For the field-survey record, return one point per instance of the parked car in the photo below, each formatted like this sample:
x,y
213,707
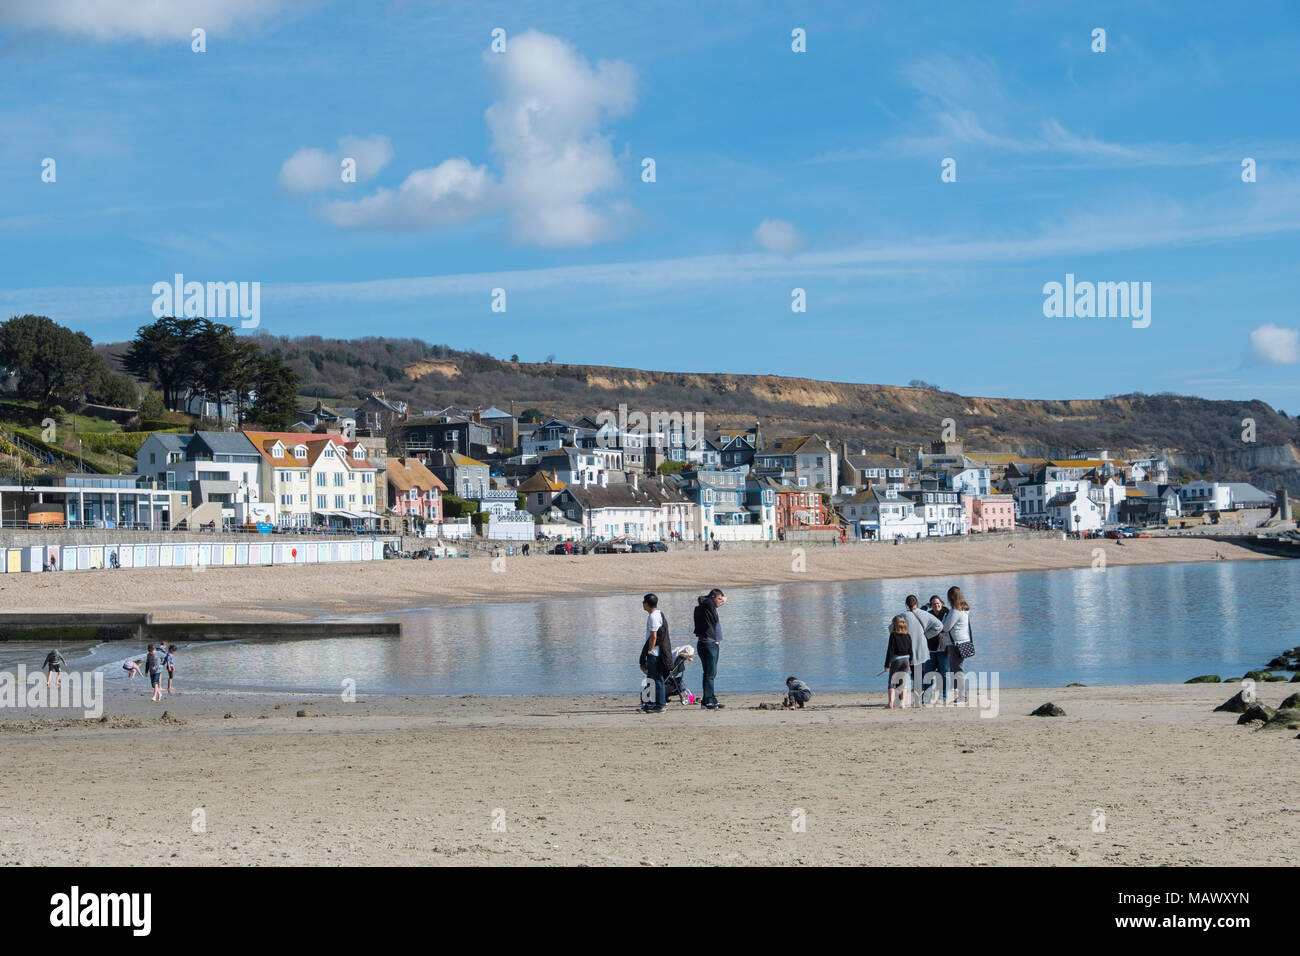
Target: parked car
x,y
614,547
641,547
1114,534
658,546
564,549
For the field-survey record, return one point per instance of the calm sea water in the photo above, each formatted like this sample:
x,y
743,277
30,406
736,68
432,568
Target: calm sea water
x,y
1128,625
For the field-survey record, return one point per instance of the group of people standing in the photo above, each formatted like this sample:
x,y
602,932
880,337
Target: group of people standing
x,y
931,640
657,658
928,644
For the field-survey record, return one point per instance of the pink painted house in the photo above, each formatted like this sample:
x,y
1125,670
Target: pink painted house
x,y
990,513
414,493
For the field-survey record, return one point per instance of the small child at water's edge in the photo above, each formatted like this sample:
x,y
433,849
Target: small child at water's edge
x,y
797,693
898,659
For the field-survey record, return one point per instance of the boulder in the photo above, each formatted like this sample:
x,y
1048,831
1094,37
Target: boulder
x,y
1256,675
1256,712
1205,679
1076,685
1288,719
1048,710
1295,679
1277,662
1236,704
1291,703
302,713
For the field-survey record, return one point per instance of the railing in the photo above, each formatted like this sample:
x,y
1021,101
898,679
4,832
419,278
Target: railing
x,y
40,454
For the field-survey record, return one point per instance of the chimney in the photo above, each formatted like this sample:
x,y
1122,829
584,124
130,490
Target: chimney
x,y
633,480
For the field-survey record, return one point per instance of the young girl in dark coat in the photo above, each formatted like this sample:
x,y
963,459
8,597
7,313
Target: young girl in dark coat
x,y
898,658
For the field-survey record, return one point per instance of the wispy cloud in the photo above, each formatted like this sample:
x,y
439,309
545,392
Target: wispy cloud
x,y
965,103
154,20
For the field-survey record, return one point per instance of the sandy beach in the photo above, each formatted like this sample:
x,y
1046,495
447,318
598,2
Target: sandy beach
x,y
589,781
304,591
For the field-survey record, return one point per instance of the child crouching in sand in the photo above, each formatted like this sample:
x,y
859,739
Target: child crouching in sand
x,y
131,667
898,658
797,693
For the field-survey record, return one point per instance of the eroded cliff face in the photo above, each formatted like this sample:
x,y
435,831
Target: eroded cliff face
x,y
881,416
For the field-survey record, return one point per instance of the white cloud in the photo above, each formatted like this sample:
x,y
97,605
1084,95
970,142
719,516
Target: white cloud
x,y
1274,345
777,235
547,136
453,191
311,169
136,19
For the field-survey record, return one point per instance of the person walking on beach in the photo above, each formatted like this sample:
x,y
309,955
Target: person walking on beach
x,y
956,627
923,627
53,666
708,631
656,653
169,662
153,667
898,659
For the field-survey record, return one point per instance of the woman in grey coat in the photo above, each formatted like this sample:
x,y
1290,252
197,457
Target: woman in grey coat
x,y
922,625
956,627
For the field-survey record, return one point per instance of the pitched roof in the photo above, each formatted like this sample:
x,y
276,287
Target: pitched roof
x,y
541,481
227,443
172,441
494,412
651,493
314,443
407,473
458,459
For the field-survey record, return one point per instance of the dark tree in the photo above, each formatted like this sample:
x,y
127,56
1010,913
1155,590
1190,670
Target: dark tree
x,y
53,364
162,355
276,386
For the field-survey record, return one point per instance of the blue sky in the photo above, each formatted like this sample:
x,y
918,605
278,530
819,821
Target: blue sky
x,y
774,170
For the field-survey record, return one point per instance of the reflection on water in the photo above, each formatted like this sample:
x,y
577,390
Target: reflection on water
x,y
1127,625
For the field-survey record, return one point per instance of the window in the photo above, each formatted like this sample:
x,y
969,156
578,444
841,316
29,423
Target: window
x,y
320,501
321,479
152,458
338,479
329,451
338,502
302,499
277,451
300,452
302,475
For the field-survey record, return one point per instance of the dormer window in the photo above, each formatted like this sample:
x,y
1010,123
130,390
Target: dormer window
x,y
358,452
277,451
329,451
300,451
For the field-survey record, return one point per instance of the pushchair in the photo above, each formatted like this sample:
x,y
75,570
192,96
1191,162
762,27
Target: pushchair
x,y
674,680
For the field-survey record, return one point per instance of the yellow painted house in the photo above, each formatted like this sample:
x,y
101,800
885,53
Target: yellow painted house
x,y
317,480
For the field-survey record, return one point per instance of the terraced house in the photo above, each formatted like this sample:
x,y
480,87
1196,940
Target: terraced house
x,y
317,480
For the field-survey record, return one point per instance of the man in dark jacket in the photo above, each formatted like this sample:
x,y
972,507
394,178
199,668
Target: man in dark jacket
x,y
708,632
